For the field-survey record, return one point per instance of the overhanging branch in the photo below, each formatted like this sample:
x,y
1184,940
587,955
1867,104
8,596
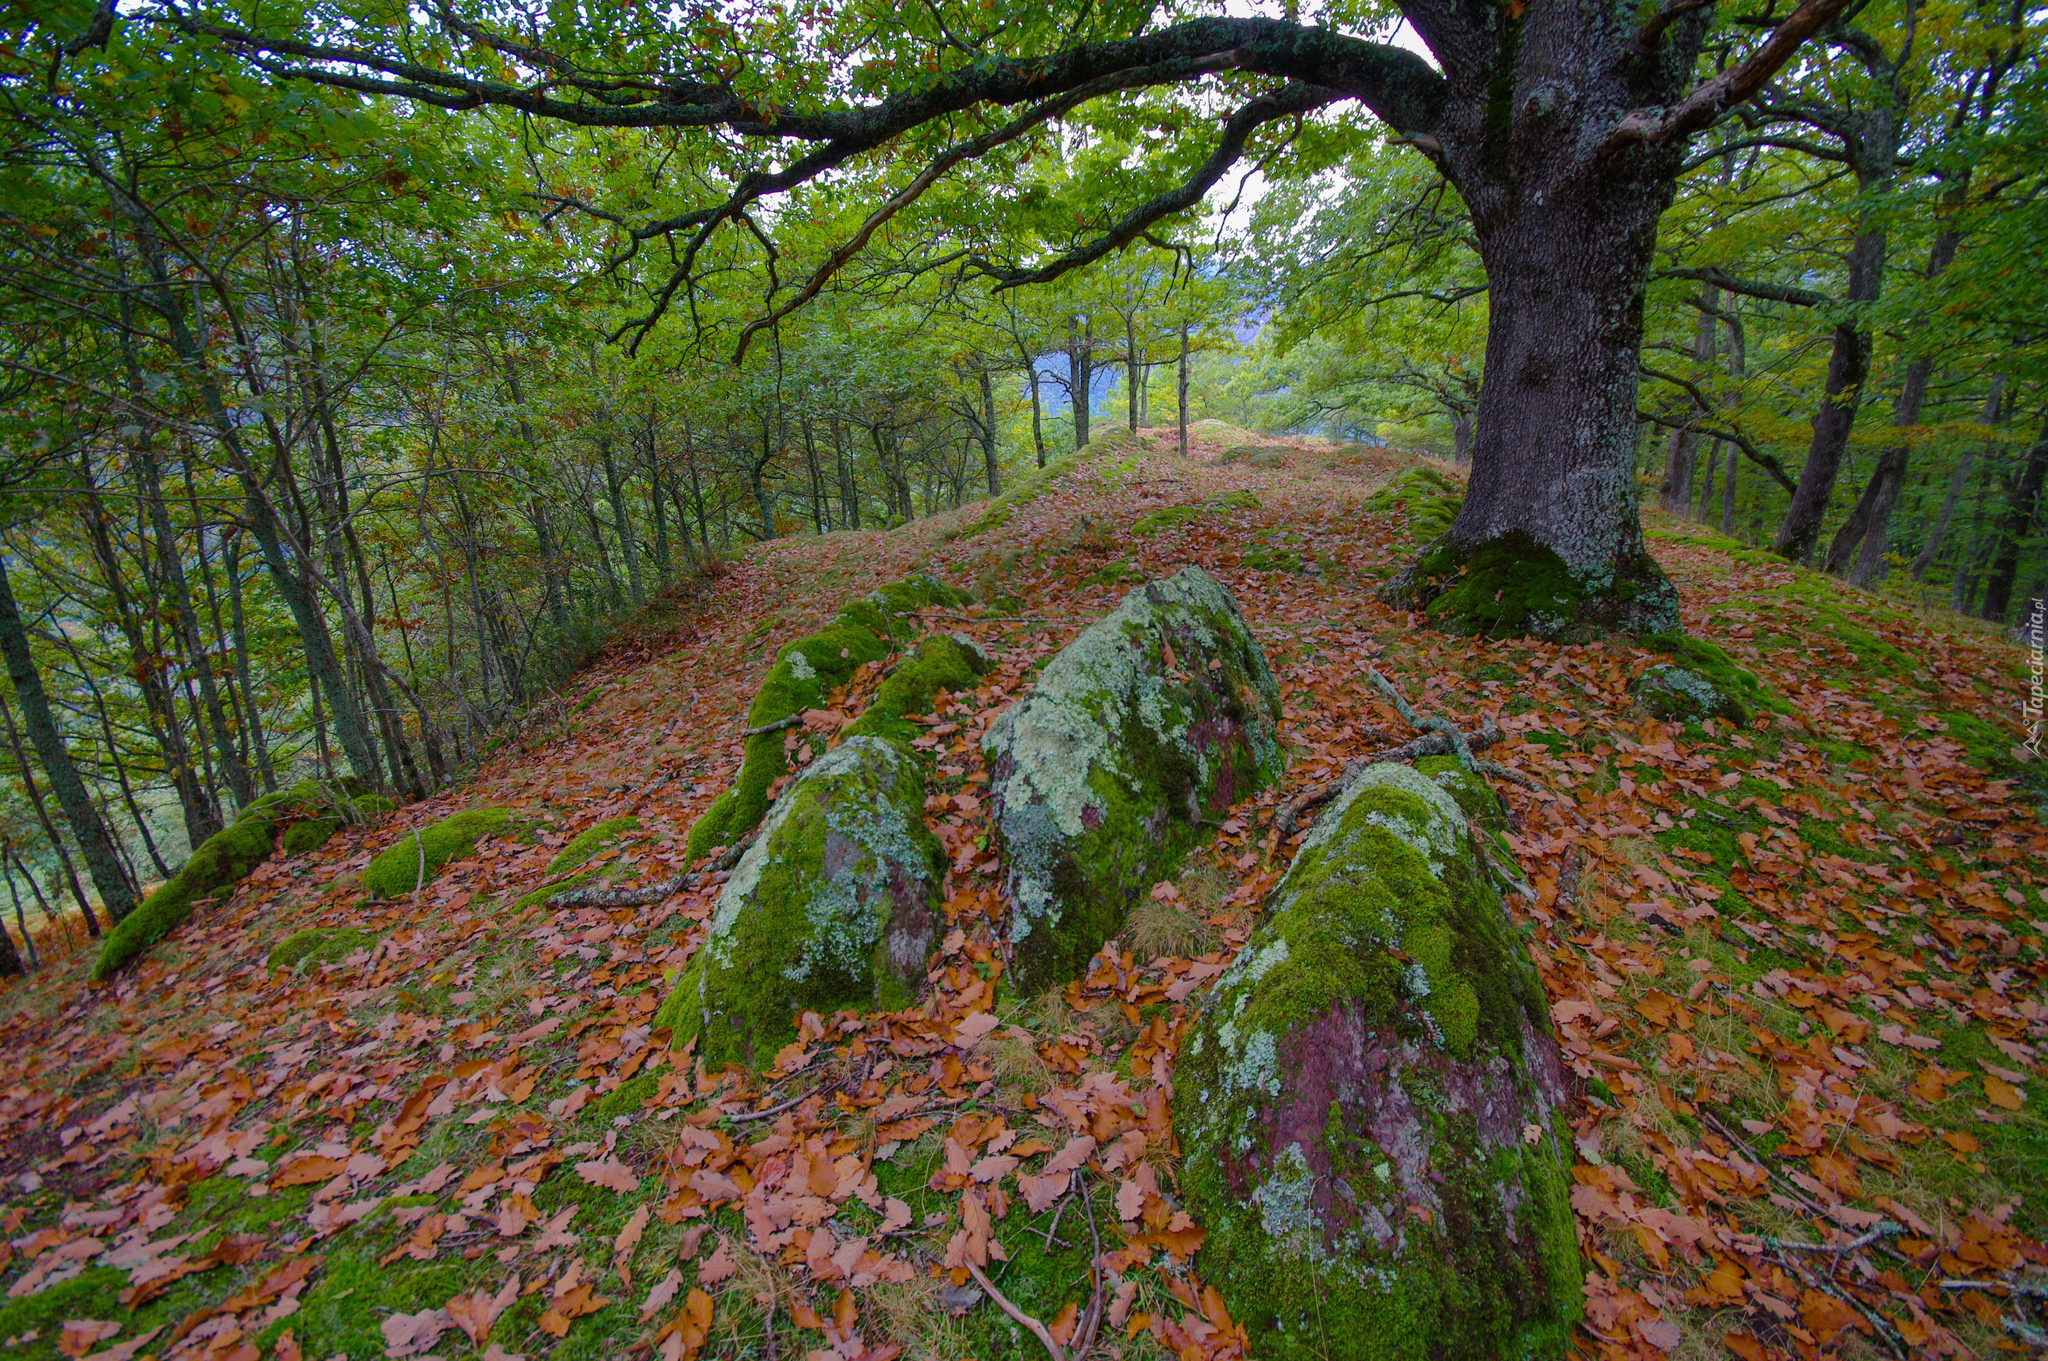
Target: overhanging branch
x,y
1739,83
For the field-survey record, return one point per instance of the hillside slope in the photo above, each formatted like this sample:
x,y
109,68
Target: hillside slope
x,y
1796,965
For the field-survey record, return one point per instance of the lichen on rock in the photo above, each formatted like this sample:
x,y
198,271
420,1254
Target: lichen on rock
x,y
1371,1105
1158,716
835,905
806,670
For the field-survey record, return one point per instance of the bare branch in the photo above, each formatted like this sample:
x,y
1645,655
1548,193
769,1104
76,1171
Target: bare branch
x,y
1736,85
1749,288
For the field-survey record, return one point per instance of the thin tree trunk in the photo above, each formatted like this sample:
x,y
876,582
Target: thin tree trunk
x,y
1181,391
95,842
1676,497
2014,529
1994,403
1848,367
1080,373
988,434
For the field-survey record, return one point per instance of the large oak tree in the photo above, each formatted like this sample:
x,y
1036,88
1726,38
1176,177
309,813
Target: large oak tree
x,y
1561,123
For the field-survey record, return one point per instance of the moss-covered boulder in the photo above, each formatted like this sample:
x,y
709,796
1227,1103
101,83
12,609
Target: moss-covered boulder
x,y
310,834
835,905
1157,717
1513,586
1371,1106
1700,681
943,661
415,858
217,863
804,673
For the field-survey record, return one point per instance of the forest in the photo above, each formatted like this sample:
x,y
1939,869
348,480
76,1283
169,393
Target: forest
x,y
477,477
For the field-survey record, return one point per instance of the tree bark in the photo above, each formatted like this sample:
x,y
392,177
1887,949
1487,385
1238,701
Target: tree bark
x,y
95,842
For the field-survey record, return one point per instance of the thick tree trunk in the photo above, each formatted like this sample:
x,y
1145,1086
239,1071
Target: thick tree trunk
x,y
87,828
1553,460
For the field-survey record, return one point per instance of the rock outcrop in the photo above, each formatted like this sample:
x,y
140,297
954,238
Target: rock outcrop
x,y
836,904
1161,715
806,670
1371,1106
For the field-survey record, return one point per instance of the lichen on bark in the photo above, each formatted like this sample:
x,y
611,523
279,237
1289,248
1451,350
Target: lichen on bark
x,y
835,905
1160,715
1371,1105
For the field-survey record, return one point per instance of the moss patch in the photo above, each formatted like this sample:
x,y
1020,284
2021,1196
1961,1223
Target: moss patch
x,y
941,662
318,945
1515,587
590,841
415,858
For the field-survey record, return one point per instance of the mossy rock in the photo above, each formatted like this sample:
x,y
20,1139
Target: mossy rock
x,y
1160,715
1701,681
1428,498
805,672
943,661
218,863
310,834
1372,1108
1241,452
1152,521
415,858
1513,586
835,905
318,945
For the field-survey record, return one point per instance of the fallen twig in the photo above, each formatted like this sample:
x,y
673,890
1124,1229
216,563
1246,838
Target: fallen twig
x,y
777,726
1429,744
1030,1324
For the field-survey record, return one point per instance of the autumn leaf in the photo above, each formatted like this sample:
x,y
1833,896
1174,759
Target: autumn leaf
x,y
475,1312
2003,1094
609,1173
411,1334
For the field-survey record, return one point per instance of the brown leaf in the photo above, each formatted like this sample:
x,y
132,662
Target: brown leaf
x,y
609,1173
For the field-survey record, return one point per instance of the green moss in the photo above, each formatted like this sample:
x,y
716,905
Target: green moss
x,y
1738,691
941,662
590,841
414,859
805,672
1153,521
1386,991
318,945
1512,586
220,862
836,905
996,511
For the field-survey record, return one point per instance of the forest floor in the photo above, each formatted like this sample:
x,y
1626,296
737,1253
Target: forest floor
x,y
1797,967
